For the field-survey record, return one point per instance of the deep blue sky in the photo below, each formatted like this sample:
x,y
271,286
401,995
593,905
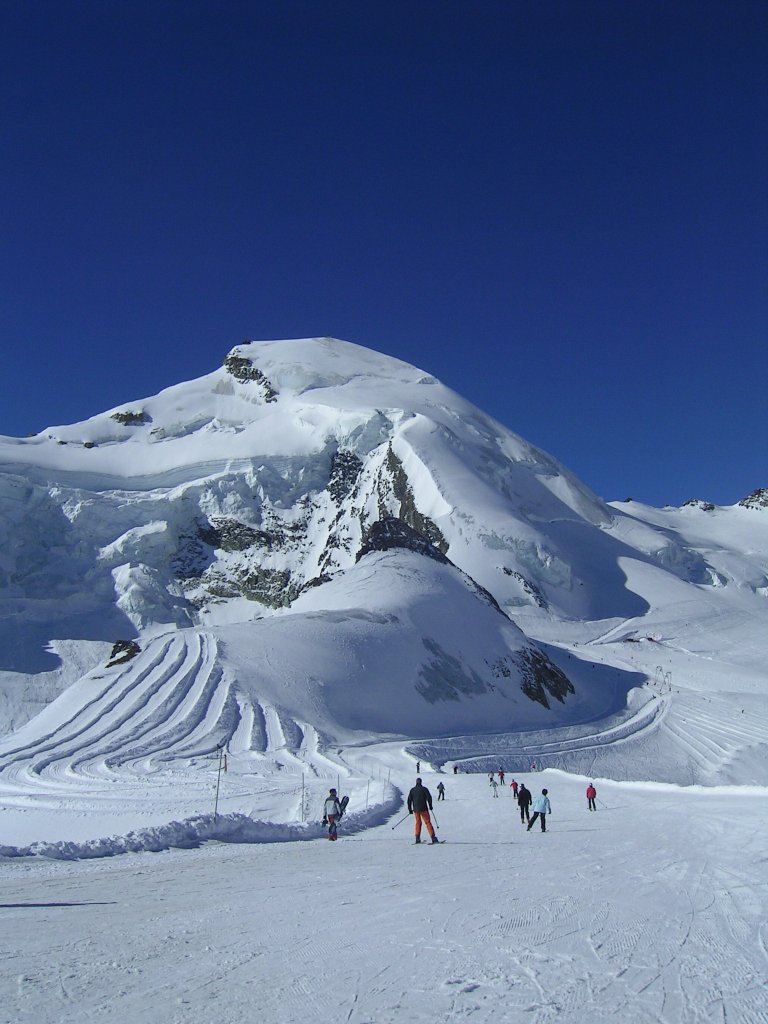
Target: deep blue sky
x,y
559,209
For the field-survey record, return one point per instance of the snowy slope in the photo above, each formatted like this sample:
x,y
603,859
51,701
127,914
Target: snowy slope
x,y
316,546
651,910
324,568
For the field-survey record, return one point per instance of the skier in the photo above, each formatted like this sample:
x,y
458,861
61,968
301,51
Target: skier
x,y
524,802
513,787
418,767
501,776
541,808
440,792
490,778
455,769
495,786
420,804
331,813
591,794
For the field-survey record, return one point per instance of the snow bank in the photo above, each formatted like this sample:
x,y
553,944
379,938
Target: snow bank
x,y
204,828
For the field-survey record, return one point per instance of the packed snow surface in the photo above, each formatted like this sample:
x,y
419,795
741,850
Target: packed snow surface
x,y
651,909
324,568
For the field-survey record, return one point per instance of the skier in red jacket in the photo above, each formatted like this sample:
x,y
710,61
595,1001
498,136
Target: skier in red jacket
x,y
591,794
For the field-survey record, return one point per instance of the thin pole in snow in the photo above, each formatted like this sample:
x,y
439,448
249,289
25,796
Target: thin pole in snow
x,y
302,797
366,794
218,783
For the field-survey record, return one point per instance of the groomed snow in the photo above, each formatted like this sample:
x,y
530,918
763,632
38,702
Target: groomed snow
x,y
652,909
128,899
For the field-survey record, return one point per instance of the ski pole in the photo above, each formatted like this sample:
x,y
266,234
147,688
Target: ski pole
x,y
401,821
435,820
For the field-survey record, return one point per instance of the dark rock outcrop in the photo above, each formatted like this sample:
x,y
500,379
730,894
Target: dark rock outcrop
x,y
757,499
242,369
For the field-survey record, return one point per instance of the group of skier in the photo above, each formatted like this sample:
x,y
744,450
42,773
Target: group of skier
x,y
420,804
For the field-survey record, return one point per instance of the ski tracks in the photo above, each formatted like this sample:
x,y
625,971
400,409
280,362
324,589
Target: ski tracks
x,y
158,704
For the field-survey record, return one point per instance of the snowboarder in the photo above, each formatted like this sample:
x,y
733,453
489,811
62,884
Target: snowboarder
x,y
495,786
541,808
331,813
513,787
420,804
440,792
524,802
501,776
591,794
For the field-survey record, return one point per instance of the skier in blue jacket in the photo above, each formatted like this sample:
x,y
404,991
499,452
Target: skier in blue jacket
x,y
541,808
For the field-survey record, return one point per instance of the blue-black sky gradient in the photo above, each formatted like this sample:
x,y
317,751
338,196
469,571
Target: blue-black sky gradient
x,y
557,208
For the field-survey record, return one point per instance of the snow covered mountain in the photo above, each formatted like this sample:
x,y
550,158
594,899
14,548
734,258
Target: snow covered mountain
x,y
316,544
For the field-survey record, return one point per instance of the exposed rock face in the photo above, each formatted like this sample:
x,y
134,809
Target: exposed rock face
x,y
757,499
269,553
242,369
408,512
705,506
130,419
345,471
232,535
541,676
122,651
529,589
391,532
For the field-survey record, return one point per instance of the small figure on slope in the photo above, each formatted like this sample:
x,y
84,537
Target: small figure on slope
x,y
495,786
513,787
591,794
501,776
332,811
440,792
541,808
420,804
524,802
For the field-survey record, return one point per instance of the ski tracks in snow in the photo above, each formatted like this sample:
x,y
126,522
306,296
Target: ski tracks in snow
x,y
143,738
651,912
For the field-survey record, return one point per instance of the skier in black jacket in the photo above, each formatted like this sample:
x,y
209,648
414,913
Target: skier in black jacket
x,y
524,799
420,804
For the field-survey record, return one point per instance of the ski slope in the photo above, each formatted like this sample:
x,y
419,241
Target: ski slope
x,y
139,746
651,910
228,527
139,743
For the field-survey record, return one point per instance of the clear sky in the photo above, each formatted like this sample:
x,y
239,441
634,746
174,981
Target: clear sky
x,y
557,208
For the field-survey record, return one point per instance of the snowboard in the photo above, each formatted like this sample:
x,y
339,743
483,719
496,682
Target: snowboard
x,y
343,805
